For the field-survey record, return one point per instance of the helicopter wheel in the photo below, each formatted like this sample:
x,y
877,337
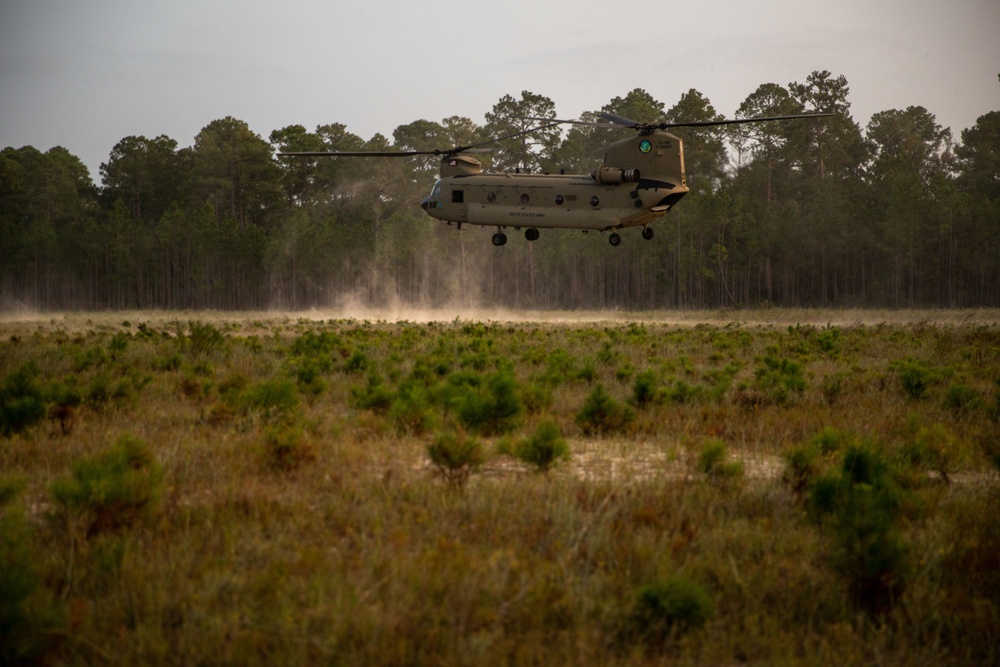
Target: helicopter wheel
x,y
499,239
647,233
614,239
531,234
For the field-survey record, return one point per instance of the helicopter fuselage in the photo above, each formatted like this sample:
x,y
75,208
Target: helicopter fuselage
x,y
640,179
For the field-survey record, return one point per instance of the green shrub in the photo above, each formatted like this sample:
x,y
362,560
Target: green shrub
x,y
780,379
270,400
375,396
802,463
859,508
114,489
202,339
669,607
645,389
357,363
412,410
26,608
22,400
929,448
493,409
455,456
603,414
286,447
544,449
914,377
963,400
712,461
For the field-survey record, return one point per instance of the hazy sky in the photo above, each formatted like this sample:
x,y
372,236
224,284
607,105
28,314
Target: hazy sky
x,y
84,74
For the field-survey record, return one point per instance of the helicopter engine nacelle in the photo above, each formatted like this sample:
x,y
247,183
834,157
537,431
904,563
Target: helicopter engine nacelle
x,y
613,175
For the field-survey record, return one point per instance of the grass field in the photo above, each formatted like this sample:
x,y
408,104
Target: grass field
x,y
768,487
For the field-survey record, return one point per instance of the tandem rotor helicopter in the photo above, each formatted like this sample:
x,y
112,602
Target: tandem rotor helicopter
x,y
640,179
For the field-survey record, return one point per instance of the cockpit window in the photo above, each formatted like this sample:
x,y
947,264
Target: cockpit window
x,y
436,191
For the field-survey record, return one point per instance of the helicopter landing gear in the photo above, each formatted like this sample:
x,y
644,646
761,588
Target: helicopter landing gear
x,y
499,239
531,234
647,233
614,239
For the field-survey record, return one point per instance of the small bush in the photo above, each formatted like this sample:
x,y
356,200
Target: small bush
x,y
929,448
645,389
712,461
669,607
493,409
375,396
545,448
412,410
202,339
780,379
914,377
22,400
802,464
271,400
603,414
963,400
286,448
859,509
114,489
455,456
26,608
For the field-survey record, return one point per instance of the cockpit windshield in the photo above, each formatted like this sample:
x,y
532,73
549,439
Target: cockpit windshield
x,y
436,190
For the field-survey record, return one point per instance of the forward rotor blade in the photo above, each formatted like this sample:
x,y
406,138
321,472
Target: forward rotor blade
x,y
474,148
359,153
549,123
615,119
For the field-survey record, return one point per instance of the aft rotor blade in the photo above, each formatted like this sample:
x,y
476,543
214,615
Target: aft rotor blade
x,y
737,121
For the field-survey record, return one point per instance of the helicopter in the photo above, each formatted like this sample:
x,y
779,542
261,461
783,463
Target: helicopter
x,y
640,179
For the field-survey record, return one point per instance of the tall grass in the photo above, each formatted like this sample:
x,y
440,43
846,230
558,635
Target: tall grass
x,y
269,492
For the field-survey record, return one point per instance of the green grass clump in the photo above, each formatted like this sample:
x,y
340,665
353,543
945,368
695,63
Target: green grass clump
x,y
914,377
111,490
544,449
669,607
456,456
286,447
270,400
201,339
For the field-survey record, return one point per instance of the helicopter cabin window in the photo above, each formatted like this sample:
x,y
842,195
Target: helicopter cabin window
x,y
525,198
457,196
491,197
559,200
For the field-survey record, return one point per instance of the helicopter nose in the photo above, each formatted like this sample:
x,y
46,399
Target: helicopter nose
x,y
425,203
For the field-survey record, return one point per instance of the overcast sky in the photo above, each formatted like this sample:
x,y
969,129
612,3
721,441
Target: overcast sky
x,y
84,74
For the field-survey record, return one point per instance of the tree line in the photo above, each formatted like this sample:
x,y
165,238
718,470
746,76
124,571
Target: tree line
x,y
895,214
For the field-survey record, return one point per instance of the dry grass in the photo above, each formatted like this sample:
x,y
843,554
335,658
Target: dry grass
x,y
349,549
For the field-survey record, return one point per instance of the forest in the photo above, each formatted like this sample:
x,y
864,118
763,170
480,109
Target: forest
x,y
897,214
